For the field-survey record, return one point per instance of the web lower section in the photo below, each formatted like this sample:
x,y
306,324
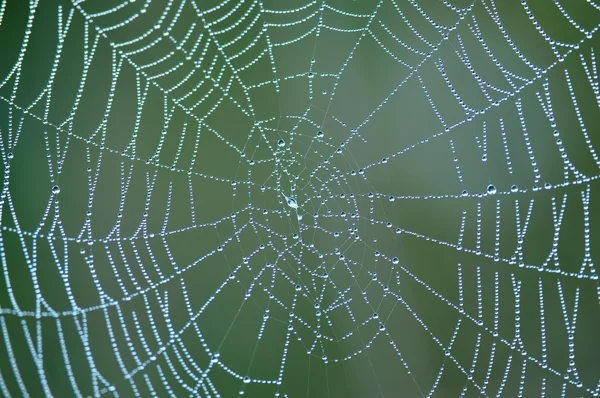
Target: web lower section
x,y
290,198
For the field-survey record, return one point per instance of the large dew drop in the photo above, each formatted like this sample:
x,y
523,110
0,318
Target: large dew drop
x,y
491,189
292,203
281,143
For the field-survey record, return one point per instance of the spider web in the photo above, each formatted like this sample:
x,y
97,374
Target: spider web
x,y
288,198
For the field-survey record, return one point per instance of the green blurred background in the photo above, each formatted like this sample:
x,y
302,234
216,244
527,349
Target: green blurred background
x,y
120,271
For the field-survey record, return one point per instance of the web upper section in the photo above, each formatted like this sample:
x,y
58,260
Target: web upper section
x,y
290,198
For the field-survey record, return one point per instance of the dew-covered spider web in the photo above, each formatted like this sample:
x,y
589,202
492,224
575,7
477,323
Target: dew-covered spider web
x,y
291,198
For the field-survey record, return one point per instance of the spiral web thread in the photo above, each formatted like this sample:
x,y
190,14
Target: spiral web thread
x,y
295,232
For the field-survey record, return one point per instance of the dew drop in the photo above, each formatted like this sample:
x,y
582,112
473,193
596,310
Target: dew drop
x,y
395,260
281,143
320,134
292,203
514,188
56,190
491,189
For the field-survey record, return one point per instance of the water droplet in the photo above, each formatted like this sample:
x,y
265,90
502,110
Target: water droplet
x,y
465,193
292,203
247,380
281,143
320,134
395,260
298,288
10,155
514,188
491,189
56,190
